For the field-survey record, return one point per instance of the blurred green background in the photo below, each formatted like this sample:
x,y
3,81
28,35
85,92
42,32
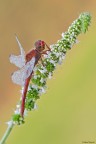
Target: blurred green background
x,y
66,114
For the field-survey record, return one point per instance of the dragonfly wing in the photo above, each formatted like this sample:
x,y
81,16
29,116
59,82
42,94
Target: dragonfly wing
x,y
21,48
21,75
18,77
29,67
19,61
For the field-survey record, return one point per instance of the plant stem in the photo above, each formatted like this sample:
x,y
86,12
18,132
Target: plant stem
x,y
9,129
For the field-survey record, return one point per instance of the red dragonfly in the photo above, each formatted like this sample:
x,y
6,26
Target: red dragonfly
x,y
26,63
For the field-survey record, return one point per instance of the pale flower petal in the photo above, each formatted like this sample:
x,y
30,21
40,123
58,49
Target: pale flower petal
x,y
9,123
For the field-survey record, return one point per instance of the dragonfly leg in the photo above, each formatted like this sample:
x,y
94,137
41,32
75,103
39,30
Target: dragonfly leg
x,y
42,61
48,47
45,52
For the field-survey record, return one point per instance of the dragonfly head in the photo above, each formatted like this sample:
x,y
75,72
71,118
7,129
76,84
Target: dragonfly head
x,y
40,45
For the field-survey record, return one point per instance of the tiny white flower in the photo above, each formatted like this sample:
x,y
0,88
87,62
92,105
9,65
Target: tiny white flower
x,y
52,61
52,46
18,106
77,41
59,48
50,75
17,111
29,87
63,57
57,54
35,69
42,90
21,91
25,112
9,123
71,45
35,106
43,70
35,76
73,33
45,56
42,67
60,61
49,55
63,34
42,80
48,52
35,86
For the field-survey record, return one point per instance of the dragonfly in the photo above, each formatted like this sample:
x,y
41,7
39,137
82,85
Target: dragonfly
x,y
26,64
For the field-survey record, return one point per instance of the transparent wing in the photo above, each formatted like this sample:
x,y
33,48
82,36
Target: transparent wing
x,y
21,75
20,46
19,61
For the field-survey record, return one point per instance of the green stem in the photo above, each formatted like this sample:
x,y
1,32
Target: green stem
x,y
9,129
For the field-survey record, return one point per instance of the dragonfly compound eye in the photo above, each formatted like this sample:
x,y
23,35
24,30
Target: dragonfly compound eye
x,y
39,44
